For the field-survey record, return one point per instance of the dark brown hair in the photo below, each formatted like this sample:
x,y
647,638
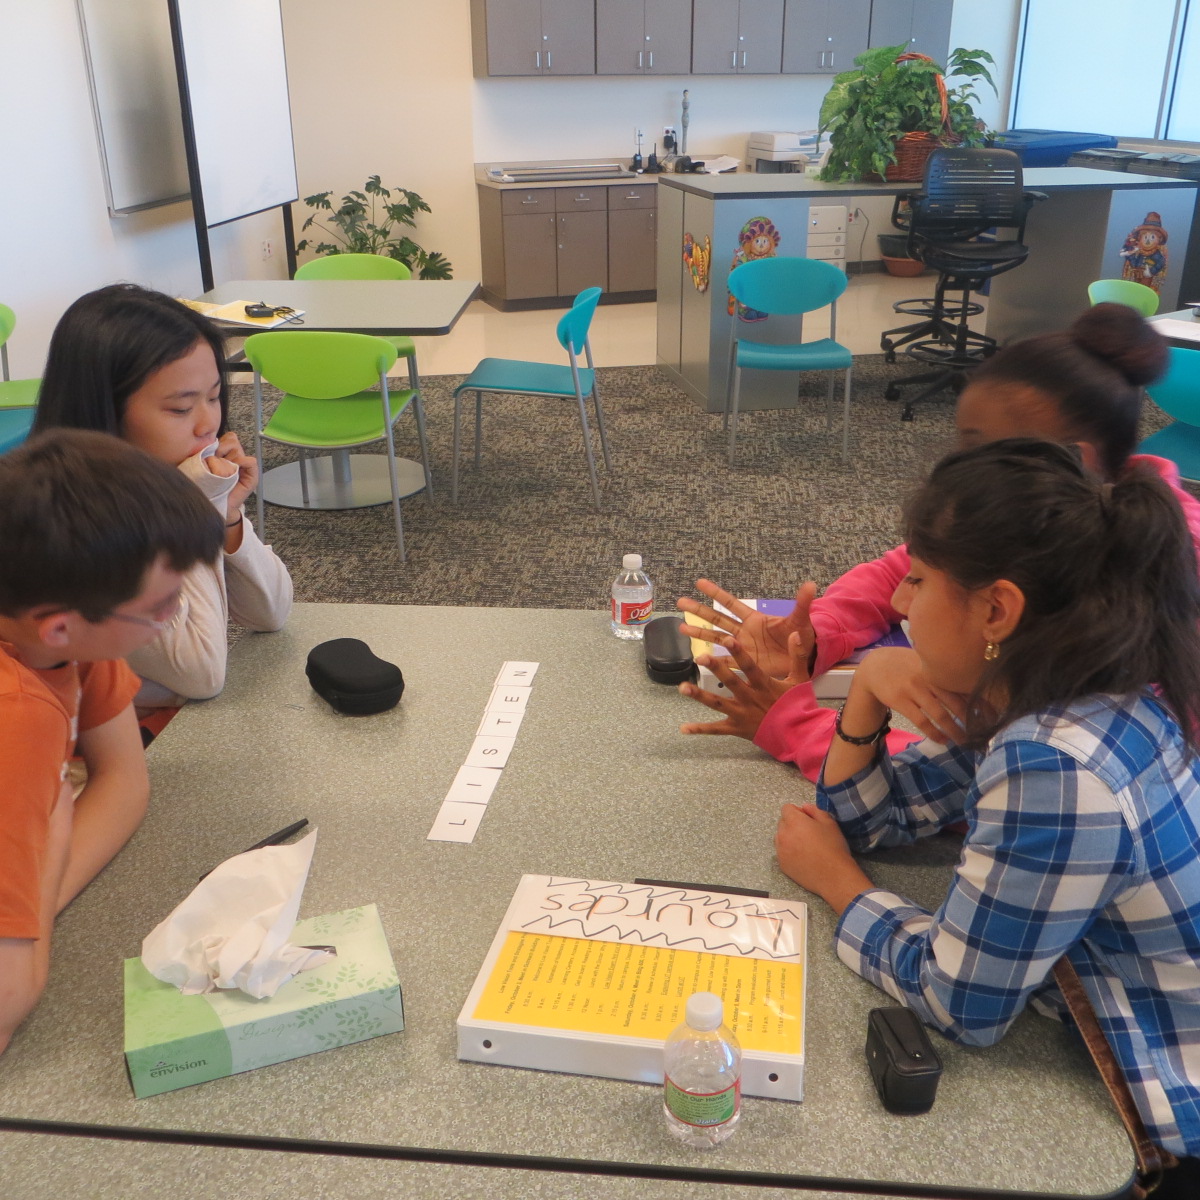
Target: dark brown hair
x,y
1093,373
107,344
1108,572
83,517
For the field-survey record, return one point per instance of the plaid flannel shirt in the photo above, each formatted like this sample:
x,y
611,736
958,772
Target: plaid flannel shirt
x,y
1083,838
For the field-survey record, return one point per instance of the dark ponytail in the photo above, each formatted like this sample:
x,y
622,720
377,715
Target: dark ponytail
x,y
1093,373
1108,572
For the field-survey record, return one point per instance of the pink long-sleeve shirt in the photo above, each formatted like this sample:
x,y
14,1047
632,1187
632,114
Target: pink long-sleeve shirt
x,y
855,611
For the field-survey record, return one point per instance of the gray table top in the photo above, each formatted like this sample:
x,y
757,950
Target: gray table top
x,y
600,784
745,186
414,307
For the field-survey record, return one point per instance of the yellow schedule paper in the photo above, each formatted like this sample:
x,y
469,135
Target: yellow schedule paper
x,y
590,977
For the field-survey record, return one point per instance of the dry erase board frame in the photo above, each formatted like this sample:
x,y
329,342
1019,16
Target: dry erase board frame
x,y
135,102
237,121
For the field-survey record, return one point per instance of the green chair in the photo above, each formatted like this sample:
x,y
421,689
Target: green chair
x,y
543,379
787,287
1124,291
18,397
372,266
1177,393
326,404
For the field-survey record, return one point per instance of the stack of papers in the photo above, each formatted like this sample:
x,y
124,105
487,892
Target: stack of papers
x,y
234,313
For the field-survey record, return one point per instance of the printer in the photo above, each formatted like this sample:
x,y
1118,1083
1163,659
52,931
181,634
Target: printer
x,y
780,153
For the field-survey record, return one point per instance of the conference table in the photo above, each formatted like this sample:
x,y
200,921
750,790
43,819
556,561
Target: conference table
x,y
599,785
384,307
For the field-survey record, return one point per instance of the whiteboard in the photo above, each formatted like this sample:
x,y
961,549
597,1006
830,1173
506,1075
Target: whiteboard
x,y
135,100
231,61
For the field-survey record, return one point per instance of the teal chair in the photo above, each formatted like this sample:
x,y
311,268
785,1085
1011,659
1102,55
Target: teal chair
x,y
543,379
787,287
1177,393
326,404
18,397
373,266
1124,291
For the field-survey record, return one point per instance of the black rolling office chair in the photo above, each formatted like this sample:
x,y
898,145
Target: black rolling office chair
x,y
966,192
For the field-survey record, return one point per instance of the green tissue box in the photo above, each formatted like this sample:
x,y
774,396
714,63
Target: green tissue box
x,y
173,1040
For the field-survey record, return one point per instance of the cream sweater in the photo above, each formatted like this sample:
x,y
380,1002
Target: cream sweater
x,y
250,587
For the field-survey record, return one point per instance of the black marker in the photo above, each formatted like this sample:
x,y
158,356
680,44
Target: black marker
x,y
703,887
275,839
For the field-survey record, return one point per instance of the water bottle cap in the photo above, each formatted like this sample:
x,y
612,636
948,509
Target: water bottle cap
x,y
705,1011
631,562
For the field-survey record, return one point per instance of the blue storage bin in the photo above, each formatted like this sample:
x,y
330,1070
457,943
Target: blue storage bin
x,y
1049,147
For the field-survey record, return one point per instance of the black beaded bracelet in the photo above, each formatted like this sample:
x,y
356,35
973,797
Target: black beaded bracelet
x,y
871,738
234,524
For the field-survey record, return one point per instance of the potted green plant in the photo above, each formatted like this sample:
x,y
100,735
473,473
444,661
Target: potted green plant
x,y
369,222
896,104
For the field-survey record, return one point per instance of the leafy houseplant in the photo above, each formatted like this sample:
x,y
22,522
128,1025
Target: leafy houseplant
x,y
358,227
869,109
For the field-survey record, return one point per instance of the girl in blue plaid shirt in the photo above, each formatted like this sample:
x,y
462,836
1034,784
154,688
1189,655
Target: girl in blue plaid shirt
x,y
1061,615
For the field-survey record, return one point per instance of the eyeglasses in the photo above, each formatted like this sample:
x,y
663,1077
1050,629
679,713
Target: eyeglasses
x,y
165,614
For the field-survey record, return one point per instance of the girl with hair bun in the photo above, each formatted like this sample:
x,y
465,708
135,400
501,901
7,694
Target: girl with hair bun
x,y
1067,618
136,363
1080,387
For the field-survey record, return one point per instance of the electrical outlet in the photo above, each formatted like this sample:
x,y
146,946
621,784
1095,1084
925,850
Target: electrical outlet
x,y
668,130
852,216
267,250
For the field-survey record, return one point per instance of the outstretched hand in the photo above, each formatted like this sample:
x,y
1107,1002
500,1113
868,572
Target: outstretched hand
x,y
744,702
765,638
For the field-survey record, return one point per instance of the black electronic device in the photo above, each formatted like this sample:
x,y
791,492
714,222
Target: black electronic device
x,y
352,678
902,1060
668,651
259,310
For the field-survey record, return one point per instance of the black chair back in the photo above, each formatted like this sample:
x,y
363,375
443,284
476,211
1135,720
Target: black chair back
x,y
967,191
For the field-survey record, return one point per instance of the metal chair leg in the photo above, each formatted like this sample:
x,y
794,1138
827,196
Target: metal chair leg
x,y
258,491
304,478
731,409
587,448
391,456
846,416
454,455
829,403
478,428
414,382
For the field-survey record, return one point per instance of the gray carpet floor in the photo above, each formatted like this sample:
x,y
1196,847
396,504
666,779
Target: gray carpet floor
x,y
525,534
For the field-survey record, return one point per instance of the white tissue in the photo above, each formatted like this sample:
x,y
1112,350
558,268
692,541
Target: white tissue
x,y
233,930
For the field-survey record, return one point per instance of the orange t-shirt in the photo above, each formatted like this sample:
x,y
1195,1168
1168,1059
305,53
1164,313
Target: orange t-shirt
x,y
41,716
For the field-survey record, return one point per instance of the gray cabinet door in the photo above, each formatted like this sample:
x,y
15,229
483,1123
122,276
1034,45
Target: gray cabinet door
x,y
582,252
530,256
620,37
823,37
715,37
631,250
569,37
760,37
931,28
514,37
668,37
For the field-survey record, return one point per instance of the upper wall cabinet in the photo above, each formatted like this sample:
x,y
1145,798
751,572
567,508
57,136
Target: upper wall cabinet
x,y
822,37
737,37
643,37
534,37
923,25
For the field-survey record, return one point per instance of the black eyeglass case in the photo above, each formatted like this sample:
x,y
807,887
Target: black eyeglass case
x,y
903,1062
352,678
668,652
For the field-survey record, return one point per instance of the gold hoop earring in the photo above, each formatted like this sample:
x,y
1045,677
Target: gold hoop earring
x,y
991,652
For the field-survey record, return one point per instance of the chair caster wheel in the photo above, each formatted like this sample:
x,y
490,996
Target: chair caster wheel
x,y
892,392
886,345
907,414
889,356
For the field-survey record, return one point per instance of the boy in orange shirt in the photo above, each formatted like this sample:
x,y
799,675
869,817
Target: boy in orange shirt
x,y
94,538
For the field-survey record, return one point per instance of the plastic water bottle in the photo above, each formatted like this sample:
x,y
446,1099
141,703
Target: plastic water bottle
x,y
632,598
702,1075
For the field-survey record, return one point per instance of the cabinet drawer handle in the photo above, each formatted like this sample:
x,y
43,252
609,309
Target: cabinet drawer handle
x,y
733,60
652,60
743,58
537,54
582,199
531,201
641,55
548,67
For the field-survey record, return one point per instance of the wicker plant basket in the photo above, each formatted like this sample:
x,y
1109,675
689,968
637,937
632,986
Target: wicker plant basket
x,y
914,148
